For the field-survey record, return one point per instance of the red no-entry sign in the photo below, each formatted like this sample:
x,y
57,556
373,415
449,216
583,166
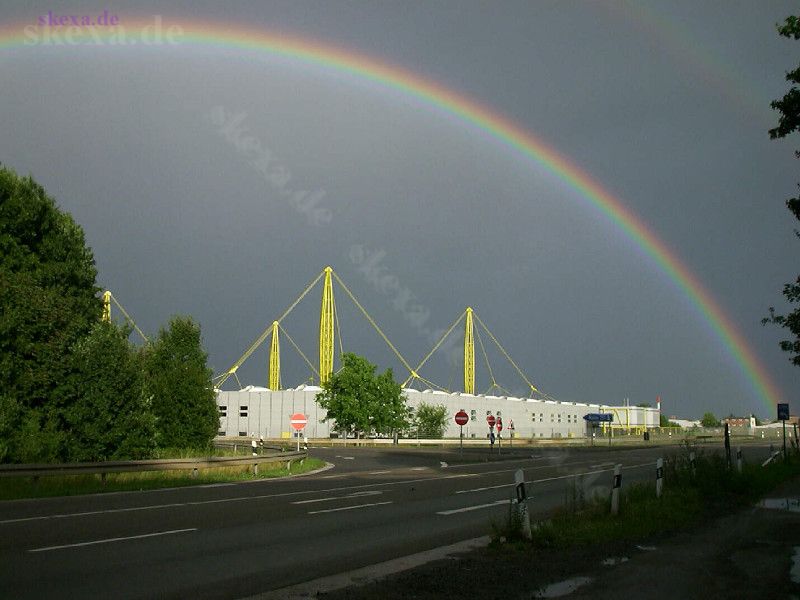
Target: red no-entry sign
x,y
462,418
298,421
490,420
499,424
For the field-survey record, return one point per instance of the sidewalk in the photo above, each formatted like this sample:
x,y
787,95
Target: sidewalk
x,y
748,554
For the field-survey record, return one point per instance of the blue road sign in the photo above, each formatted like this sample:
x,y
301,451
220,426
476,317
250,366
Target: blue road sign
x,y
599,417
783,412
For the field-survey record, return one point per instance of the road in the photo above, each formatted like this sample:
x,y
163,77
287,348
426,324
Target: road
x,y
235,540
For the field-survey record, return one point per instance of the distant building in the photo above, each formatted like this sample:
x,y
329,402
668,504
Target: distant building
x,y
685,423
740,421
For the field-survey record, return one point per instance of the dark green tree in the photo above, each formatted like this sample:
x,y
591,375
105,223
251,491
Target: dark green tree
x,y
111,418
709,420
361,402
431,421
789,122
179,388
48,301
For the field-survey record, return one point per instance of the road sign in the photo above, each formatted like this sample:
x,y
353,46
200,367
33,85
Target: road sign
x,y
462,418
599,417
298,421
783,412
511,424
490,420
499,424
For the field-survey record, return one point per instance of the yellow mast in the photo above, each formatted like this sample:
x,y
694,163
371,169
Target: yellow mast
x,y
107,306
275,359
469,355
326,319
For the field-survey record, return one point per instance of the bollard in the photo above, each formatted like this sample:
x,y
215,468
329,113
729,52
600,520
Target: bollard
x,y
739,459
519,505
616,485
288,465
659,476
103,478
691,463
194,473
255,469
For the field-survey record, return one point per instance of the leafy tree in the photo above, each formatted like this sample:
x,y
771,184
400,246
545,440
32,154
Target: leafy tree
x,y
48,301
789,122
359,401
664,421
430,421
179,388
709,420
111,419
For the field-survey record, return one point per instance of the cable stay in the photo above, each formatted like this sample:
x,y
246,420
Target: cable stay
x,y
108,298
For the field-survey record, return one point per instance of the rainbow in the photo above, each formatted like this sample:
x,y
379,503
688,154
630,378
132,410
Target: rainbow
x,y
477,116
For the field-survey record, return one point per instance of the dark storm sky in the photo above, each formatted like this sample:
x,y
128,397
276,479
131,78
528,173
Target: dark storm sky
x,y
665,105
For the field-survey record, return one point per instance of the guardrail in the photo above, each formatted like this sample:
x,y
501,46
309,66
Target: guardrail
x,y
168,464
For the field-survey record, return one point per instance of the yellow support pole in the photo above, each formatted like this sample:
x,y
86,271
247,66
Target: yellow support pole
x,y
326,319
275,359
469,355
107,306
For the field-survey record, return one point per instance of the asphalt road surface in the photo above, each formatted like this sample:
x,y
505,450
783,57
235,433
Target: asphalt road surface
x,y
235,540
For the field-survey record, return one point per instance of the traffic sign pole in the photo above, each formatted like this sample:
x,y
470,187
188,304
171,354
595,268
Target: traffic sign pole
x,y
461,440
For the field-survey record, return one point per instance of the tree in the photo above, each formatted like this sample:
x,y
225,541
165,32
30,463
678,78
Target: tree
x,y
179,387
789,122
709,420
359,401
430,421
663,421
111,418
48,301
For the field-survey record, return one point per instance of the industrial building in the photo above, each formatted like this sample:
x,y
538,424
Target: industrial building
x,y
265,413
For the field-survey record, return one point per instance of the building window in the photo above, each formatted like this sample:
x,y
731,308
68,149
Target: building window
x,y
541,417
242,408
220,433
242,434
243,413
472,415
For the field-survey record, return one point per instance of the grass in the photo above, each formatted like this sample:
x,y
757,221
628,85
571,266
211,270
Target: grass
x,y
689,498
72,485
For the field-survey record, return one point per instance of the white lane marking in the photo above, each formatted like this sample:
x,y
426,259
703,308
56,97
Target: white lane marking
x,y
330,510
329,498
562,588
296,493
379,472
419,468
483,489
346,457
461,475
470,508
601,465
117,539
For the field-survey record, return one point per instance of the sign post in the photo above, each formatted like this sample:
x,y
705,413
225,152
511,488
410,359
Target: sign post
x,y
616,484
511,432
490,421
499,426
783,416
462,418
298,421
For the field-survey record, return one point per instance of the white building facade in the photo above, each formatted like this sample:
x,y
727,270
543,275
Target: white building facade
x,y
265,413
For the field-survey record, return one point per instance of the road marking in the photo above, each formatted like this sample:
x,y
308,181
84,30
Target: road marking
x,y
330,510
346,457
296,493
470,508
600,466
117,539
483,489
354,495
379,472
461,475
419,468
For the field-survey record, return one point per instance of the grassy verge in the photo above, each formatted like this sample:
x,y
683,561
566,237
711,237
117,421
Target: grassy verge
x,y
689,497
72,485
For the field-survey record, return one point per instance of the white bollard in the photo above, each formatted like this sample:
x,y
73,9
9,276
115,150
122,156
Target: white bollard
x,y
519,505
659,476
739,459
691,463
615,489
